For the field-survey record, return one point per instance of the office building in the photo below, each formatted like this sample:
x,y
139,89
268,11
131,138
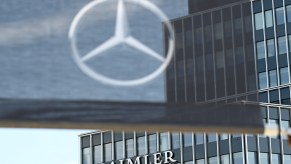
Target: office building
x,y
225,51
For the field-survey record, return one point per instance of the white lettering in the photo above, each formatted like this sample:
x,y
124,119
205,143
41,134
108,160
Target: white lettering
x,y
137,161
157,158
146,159
169,157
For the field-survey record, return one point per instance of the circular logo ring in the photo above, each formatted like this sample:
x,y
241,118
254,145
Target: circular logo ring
x,y
121,36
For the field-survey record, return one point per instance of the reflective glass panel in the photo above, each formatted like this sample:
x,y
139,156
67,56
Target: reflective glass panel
x,y
260,50
288,10
280,16
264,158
284,125
252,158
273,122
282,49
211,137
175,140
223,136
199,138
108,152
152,139
273,78
218,31
275,159
271,47
287,159
262,80
212,160
224,159
86,156
119,150
284,75
97,154
269,18
141,147
129,148
238,158
236,135
188,162
164,141
200,161
187,139
259,21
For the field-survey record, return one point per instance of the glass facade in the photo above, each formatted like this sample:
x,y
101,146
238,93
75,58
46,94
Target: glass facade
x,y
221,59
200,148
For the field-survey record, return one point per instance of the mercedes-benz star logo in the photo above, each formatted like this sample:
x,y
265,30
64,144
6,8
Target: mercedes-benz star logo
x,y
122,35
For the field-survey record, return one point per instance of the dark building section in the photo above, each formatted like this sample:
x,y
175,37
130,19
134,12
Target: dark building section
x,y
201,5
214,58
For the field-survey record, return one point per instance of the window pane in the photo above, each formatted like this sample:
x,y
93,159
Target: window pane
x,y
199,139
211,137
252,158
219,59
237,158
175,140
260,50
289,38
275,159
218,31
284,125
119,150
284,76
274,123
97,154
287,159
141,149
262,80
288,8
108,152
187,138
198,34
164,141
280,16
200,161
152,143
212,160
188,162
282,45
129,148
86,156
264,158
225,159
273,78
223,136
269,18
236,135
258,21
271,47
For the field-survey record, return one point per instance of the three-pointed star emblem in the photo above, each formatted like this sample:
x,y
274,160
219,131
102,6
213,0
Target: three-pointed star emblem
x,y
122,35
